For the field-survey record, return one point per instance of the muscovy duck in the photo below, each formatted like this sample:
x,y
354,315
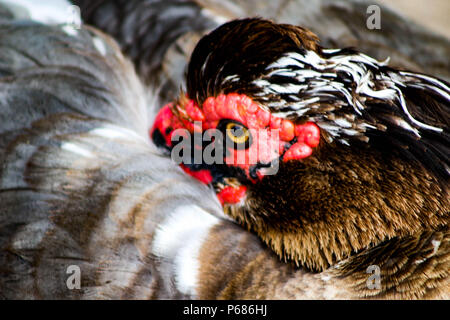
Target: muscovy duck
x,y
216,59
81,185
363,149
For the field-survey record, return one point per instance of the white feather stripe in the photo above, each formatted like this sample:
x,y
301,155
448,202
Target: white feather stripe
x,y
179,240
74,148
434,81
349,77
439,91
405,110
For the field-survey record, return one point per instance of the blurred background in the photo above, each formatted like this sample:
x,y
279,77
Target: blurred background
x,y
433,14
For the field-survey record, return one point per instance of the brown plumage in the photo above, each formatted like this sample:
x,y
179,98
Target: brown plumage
x,y
81,183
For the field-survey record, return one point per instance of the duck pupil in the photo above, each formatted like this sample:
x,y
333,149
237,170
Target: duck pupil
x,y
237,131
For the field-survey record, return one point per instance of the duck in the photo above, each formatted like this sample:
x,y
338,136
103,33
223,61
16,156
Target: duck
x,y
359,164
94,208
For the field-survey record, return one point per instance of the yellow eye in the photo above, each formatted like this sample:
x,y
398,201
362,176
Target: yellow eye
x,y
237,133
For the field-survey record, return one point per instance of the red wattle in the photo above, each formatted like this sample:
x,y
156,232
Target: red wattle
x,y
209,108
308,133
275,122
272,135
287,130
163,121
231,195
201,175
194,112
298,150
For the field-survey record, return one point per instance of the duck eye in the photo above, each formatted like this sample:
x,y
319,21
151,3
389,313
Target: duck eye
x,y
237,133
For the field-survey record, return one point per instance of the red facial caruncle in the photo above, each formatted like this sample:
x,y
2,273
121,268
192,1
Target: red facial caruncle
x,y
272,136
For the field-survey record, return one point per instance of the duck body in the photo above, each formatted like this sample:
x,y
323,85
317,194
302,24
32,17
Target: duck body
x,y
85,192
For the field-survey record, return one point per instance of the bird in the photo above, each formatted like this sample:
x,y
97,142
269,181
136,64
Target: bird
x,y
362,154
403,56
83,186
